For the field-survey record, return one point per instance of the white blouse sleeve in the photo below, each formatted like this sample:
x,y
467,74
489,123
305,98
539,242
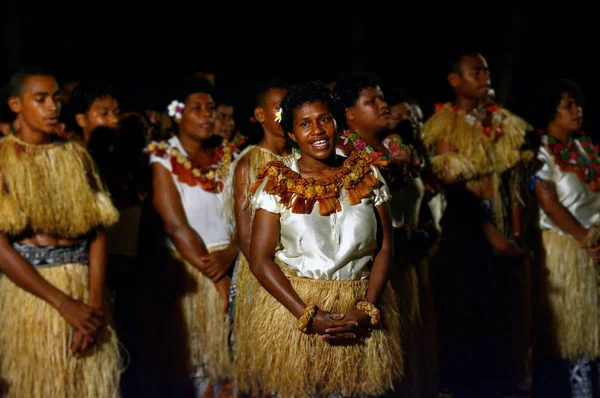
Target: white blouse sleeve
x,y
165,162
547,161
267,201
381,191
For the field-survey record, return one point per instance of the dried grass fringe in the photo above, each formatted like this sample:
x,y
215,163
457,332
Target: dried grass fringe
x,y
484,156
52,189
293,364
247,286
206,323
35,357
569,283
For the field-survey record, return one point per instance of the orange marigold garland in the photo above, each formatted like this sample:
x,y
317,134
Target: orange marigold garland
x,y
189,172
301,194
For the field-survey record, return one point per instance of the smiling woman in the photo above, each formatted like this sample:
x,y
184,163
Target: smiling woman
x,y
331,308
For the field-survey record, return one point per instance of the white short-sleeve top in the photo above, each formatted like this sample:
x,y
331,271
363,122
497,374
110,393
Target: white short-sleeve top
x,y
575,195
203,209
339,246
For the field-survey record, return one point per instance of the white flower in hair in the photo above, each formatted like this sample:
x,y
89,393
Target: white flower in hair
x,y
175,109
278,115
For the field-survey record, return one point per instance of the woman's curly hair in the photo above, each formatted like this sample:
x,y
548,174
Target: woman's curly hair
x,y
309,92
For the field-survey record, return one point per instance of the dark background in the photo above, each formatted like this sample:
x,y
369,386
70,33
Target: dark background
x,y
145,50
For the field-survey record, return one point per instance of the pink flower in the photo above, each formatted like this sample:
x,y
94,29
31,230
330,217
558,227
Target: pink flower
x,y
586,144
573,156
360,144
559,146
394,145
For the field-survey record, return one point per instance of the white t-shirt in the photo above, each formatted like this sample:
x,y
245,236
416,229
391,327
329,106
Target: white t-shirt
x,y
203,209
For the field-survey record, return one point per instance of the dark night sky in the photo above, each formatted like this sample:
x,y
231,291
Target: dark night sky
x,y
146,51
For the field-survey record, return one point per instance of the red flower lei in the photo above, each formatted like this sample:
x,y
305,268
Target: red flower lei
x,y
350,141
191,173
586,167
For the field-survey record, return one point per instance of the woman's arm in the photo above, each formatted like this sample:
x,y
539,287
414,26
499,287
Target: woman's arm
x,y
378,279
82,317
561,217
188,243
545,192
383,259
242,209
265,235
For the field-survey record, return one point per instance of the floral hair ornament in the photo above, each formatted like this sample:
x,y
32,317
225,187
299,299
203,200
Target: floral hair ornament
x,y
175,109
278,115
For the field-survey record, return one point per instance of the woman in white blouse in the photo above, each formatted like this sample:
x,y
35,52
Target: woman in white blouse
x,y
566,187
327,320
188,174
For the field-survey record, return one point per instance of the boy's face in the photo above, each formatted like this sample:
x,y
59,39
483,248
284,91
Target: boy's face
x,y
38,105
103,112
473,78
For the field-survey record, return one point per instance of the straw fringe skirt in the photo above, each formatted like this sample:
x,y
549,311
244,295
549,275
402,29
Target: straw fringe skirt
x,y
35,356
206,323
294,364
569,305
247,286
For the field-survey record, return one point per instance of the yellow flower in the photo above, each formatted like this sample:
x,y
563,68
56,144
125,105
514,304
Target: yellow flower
x,y
210,175
187,165
196,173
180,159
152,146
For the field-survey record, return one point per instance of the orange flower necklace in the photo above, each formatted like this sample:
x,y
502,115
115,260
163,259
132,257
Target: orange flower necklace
x,y
301,194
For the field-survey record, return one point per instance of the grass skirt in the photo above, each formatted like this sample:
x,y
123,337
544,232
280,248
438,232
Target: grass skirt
x,y
247,286
568,299
206,323
294,364
35,356
418,333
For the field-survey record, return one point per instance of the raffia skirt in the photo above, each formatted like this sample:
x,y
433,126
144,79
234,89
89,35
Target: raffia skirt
x,y
290,363
206,323
568,299
35,356
247,286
